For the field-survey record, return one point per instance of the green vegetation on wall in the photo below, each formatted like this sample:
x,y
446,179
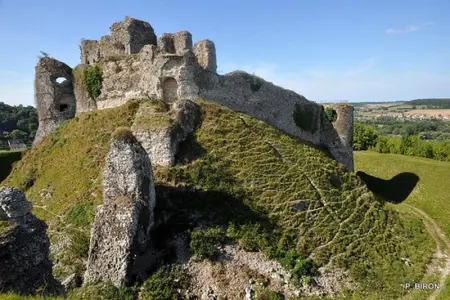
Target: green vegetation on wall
x,y
92,80
331,114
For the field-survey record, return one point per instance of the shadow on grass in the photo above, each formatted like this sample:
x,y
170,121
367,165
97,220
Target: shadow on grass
x,y
394,190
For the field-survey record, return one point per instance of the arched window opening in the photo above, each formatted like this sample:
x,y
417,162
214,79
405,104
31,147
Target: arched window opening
x,y
170,89
61,80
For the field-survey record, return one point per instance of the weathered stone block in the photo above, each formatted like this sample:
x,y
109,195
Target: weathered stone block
x,y
182,41
122,224
161,132
205,51
166,43
24,247
55,102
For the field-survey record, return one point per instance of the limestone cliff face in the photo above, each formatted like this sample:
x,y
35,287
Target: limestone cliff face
x,y
122,224
24,246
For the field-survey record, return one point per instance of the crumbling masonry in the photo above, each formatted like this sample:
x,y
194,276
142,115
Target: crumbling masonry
x,y
135,64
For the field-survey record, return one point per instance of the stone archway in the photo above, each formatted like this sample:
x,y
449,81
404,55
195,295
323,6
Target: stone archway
x,y
170,88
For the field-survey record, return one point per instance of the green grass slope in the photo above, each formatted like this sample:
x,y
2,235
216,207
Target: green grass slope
x,y
432,193
269,191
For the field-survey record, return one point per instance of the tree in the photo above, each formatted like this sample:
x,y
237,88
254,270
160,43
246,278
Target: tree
x,y
364,137
17,134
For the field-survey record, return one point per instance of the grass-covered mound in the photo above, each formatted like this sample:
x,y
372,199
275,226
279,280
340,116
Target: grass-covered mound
x,y
260,187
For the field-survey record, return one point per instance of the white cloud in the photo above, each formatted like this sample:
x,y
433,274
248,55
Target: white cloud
x,y
356,83
409,28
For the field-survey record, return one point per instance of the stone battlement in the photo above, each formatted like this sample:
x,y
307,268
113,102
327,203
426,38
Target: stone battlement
x,y
137,64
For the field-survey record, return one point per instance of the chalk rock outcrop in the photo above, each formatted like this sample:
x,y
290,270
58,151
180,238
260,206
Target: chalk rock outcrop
x,y
161,129
122,224
24,246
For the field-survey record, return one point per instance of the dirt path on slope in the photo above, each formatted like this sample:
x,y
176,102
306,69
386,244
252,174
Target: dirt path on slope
x,y
442,246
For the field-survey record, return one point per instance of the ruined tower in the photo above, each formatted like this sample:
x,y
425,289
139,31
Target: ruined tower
x,y
54,97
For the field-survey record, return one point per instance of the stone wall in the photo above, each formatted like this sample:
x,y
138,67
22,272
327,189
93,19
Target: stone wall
x,y
127,37
145,76
274,105
55,102
205,51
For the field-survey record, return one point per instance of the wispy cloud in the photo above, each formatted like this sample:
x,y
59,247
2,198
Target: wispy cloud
x,y
409,28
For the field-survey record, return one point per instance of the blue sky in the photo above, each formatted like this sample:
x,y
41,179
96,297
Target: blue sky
x,y
326,50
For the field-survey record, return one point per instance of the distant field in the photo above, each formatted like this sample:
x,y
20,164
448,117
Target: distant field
x,y
432,193
429,112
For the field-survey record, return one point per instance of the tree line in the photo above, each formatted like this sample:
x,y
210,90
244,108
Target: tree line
x,y
366,137
18,123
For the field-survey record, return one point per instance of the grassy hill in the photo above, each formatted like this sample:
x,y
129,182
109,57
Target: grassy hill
x,y
277,195
433,189
431,194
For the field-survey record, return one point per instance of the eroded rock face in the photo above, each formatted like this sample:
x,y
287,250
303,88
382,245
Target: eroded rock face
x,y
24,247
13,204
122,224
161,132
54,98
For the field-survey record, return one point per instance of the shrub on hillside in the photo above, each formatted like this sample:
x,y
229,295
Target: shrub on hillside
x,y
164,283
205,243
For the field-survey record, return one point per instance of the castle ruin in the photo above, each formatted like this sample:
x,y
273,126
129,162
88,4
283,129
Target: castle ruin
x,y
136,64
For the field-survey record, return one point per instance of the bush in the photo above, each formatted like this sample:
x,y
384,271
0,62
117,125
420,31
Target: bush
x,y
163,284
92,80
331,114
298,264
251,237
205,242
364,137
268,295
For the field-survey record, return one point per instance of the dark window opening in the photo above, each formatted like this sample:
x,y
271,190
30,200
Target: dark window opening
x,y
63,107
